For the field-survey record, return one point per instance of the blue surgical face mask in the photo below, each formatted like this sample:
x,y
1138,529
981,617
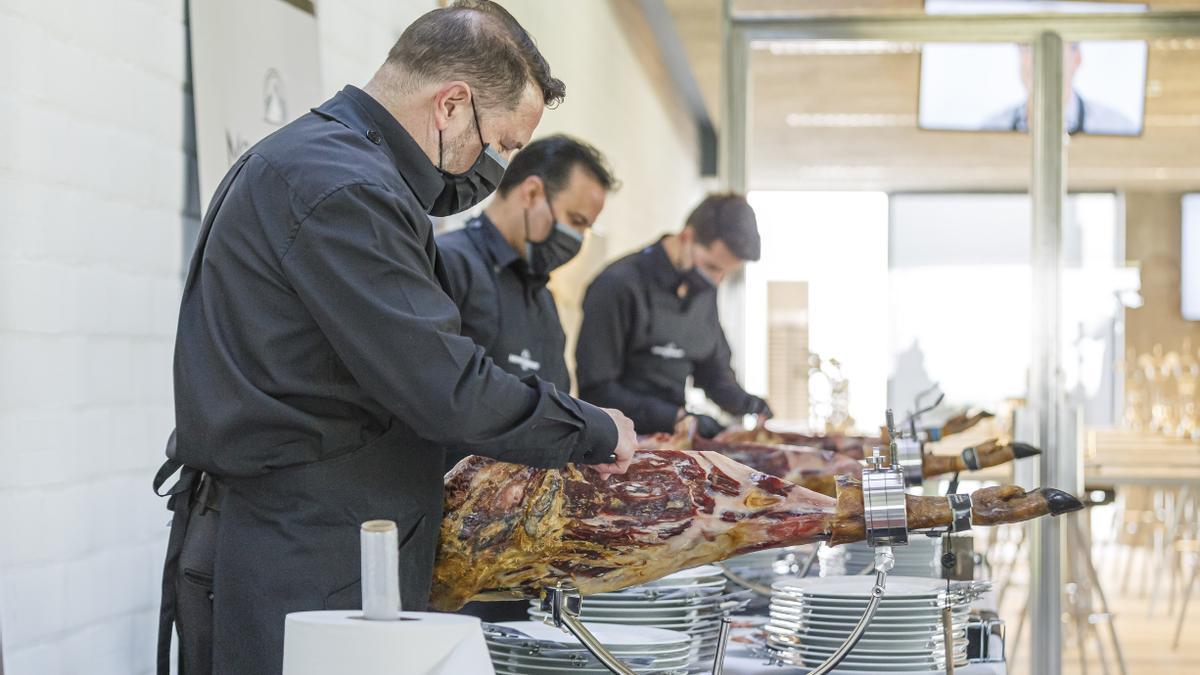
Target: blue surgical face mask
x,y
558,248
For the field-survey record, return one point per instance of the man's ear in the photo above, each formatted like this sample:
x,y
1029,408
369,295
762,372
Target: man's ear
x,y
686,234
451,103
533,188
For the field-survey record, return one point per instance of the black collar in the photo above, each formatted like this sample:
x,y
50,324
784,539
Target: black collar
x,y
360,112
495,247
664,273
499,253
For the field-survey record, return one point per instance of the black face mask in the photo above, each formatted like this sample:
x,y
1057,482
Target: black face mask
x,y
697,280
554,251
466,189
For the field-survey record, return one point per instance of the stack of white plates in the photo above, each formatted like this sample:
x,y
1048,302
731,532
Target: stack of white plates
x,y
692,601
764,568
767,567
918,559
811,618
533,648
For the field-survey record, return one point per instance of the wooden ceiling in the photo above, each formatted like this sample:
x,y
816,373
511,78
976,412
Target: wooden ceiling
x,y
848,122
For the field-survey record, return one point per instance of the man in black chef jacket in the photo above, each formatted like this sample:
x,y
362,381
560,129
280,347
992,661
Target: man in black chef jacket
x,y
499,263
319,367
650,322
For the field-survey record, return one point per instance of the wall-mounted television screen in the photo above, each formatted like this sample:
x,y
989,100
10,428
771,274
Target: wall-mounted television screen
x,y
986,86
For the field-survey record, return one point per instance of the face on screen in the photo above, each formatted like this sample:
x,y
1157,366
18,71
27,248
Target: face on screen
x,y
1072,58
988,87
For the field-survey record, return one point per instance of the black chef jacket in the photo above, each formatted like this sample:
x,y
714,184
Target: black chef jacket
x,y
640,341
319,372
505,308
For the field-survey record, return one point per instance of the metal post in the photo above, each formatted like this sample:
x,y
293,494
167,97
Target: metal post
x,y
732,156
1048,192
735,101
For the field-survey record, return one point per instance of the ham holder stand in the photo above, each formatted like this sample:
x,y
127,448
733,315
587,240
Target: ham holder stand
x,y
883,485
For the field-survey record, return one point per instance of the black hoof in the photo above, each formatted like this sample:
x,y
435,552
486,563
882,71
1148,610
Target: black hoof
x,y
1060,502
1023,450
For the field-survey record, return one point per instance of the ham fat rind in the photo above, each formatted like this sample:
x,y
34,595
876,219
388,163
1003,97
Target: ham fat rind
x,y
509,530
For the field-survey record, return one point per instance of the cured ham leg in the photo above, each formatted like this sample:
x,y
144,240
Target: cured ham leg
x,y
852,446
816,469
855,446
510,529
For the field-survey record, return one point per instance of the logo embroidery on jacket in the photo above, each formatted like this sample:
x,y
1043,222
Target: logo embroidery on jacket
x,y
524,360
668,351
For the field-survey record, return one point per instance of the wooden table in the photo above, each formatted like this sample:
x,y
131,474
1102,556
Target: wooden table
x,y
1124,457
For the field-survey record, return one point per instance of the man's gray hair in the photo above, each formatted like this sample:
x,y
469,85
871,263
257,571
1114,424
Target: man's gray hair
x,y
480,43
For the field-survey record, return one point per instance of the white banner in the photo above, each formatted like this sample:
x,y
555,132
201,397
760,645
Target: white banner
x,y
254,68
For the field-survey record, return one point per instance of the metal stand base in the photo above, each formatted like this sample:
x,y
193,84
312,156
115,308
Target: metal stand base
x,y
563,603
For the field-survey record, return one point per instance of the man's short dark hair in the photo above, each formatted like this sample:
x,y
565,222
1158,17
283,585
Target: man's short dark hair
x,y
552,158
479,42
727,217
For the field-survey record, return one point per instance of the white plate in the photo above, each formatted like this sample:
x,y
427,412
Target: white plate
x,y
572,670
665,586
847,603
613,635
685,625
629,601
859,587
898,630
862,670
839,636
509,651
888,664
872,645
520,670
691,573
860,651
883,609
526,662
852,619
877,655
651,610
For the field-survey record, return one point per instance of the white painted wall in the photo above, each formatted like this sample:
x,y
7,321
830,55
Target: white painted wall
x,y
92,195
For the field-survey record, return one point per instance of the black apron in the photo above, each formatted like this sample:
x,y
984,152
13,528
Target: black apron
x,y
244,552
522,346
252,550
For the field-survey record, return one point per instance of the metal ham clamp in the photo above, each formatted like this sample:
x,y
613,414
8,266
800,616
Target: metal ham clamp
x,y
886,520
562,603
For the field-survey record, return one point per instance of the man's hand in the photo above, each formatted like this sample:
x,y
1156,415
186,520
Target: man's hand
x,y
707,427
759,407
626,445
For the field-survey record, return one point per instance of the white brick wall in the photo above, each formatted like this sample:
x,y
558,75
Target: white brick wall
x,y
91,192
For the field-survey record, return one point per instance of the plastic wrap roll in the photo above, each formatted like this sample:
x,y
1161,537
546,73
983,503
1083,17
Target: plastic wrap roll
x,y
380,570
